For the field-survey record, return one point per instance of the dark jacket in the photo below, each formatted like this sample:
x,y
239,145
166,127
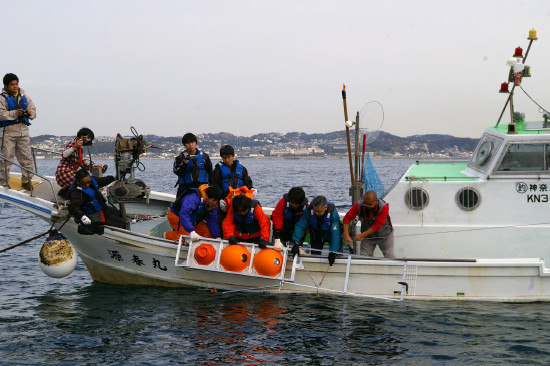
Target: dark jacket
x,y
78,199
217,178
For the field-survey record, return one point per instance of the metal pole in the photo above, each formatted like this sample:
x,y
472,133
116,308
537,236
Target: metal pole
x,y
513,87
357,185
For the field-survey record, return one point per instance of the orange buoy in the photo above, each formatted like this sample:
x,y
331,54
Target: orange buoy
x,y
268,262
235,258
205,254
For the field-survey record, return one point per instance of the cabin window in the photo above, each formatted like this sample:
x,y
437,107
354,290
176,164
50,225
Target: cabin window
x,y
484,153
523,158
416,198
468,199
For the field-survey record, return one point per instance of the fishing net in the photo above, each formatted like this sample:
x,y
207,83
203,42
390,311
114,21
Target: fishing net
x,y
371,178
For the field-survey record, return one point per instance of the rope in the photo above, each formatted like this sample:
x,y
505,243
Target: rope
x,y
532,99
31,239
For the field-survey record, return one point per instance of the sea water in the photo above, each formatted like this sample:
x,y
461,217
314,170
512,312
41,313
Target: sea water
x,y
74,321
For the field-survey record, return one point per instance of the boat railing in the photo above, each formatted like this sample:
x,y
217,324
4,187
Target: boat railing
x,y
34,173
418,162
35,149
214,265
444,178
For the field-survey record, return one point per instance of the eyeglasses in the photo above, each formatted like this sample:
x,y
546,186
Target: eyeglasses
x,y
86,183
368,206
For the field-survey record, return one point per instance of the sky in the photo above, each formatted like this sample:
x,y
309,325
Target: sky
x,y
254,66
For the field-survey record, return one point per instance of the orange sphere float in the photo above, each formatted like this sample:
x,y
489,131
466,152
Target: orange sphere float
x,y
268,262
205,254
235,258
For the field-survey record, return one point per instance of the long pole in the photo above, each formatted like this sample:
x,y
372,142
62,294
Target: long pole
x,y
347,133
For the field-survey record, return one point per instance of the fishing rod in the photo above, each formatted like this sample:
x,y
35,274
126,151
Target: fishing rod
x,y
348,125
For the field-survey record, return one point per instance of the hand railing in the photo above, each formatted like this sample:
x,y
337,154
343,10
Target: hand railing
x,y
35,172
33,152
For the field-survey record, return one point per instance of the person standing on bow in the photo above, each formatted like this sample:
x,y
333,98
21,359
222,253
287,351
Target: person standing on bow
x,y
72,159
87,203
246,222
195,214
286,214
323,222
16,111
376,227
192,166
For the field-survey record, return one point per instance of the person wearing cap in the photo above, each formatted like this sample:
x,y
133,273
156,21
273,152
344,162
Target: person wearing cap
x,y
16,111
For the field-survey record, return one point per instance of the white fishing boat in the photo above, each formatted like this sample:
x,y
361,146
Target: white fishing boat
x,y
474,230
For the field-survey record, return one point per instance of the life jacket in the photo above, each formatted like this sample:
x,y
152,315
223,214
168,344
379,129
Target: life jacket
x,y
247,224
196,171
367,222
198,215
13,104
321,225
236,192
229,177
289,215
96,201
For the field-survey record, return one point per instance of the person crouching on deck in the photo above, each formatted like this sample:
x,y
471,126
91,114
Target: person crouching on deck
x,y
286,214
88,205
246,222
194,213
323,222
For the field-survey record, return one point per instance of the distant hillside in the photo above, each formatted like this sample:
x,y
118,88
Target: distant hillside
x,y
330,142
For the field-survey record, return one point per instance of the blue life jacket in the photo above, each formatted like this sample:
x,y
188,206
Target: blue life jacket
x,y
227,175
289,215
13,105
247,224
321,225
96,201
195,172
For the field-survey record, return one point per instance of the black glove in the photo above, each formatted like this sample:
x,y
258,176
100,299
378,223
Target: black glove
x,y
295,248
262,243
233,240
331,258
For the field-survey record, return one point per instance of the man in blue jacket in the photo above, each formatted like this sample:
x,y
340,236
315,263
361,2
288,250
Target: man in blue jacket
x,y
194,213
323,221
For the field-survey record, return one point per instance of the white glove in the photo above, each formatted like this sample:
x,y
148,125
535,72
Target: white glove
x,y
254,192
86,220
194,236
302,252
223,205
278,246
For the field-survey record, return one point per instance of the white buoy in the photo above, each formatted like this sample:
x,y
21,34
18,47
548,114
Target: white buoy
x,y
57,257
